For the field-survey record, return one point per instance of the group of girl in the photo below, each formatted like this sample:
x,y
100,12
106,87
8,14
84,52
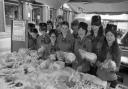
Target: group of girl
x,y
102,42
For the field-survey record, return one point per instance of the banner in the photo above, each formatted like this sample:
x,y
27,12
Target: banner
x,y
19,35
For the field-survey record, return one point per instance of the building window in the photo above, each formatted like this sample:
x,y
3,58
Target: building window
x,y
36,14
11,12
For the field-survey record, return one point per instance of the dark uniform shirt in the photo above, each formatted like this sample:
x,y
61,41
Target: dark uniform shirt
x,y
65,44
97,43
32,42
75,35
107,54
52,48
84,44
43,40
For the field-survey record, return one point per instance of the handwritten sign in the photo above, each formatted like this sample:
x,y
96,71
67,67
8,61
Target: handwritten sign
x,y
18,31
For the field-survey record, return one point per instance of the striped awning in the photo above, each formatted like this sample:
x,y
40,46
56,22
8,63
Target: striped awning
x,y
119,7
99,1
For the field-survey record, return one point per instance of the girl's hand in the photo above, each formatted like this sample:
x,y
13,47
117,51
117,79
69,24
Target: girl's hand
x,y
110,66
41,50
109,69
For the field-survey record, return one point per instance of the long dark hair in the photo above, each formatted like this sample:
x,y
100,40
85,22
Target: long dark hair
x,y
114,51
53,31
84,26
100,32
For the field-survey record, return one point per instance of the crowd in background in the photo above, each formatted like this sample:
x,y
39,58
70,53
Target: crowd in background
x,y
102,42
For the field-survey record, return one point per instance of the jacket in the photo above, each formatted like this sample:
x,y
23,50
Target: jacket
x,y
65,44
52,48
97,43
86,45
32,42
113,53
75,35
42,40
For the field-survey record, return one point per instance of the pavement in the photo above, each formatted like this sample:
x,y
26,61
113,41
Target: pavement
x,y
5,35
5,44
5,41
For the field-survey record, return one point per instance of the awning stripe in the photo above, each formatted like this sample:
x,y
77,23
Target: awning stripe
x,y
100,7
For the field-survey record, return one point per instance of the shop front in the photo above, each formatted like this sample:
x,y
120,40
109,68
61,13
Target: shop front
x,y
11,13
36,14
22,10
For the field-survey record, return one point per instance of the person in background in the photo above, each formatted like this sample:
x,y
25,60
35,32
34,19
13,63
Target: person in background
x,y
84,43
97,37
65,40
43,38
32,42
30,26
49,26
58,29
52,47
59,19
74,27
110,51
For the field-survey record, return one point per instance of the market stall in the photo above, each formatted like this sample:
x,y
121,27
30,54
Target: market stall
x,y
25,70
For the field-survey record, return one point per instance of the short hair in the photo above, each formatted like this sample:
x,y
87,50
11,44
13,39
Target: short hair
x,y
53,31
43,26
31,25
84,26
50,22
65,23
111,28
34,30
75,23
